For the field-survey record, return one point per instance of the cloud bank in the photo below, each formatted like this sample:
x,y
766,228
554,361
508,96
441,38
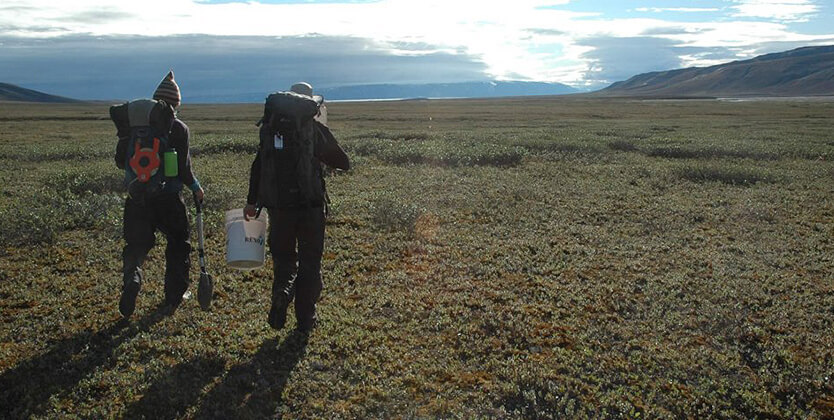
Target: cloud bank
x,y
211,68
264,45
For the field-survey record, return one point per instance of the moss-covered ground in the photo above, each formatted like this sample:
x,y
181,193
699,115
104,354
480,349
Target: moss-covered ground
x,y
514,258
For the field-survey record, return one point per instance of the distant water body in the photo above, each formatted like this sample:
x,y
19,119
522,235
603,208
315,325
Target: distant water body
x,y
399,99
746,99
781,99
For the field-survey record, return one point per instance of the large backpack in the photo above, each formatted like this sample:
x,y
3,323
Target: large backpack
x,y
149,123
291,176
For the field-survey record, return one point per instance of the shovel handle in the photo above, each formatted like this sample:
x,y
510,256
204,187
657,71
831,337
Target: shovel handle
x,y
200,247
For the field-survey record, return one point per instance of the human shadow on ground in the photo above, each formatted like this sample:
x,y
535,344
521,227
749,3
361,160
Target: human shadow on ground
x,y
25,389
253,390
174,392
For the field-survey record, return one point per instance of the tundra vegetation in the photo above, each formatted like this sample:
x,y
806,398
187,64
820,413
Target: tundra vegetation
x,y
513,258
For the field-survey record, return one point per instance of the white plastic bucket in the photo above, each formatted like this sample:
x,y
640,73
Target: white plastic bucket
x,y
245,241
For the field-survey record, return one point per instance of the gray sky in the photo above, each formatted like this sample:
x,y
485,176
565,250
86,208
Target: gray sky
x,y
96,49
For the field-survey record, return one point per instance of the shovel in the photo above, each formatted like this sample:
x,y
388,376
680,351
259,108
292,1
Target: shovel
x,y
205,287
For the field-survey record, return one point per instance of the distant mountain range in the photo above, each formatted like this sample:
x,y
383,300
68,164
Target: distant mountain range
x,y
446,90
9,92
410,91
807,71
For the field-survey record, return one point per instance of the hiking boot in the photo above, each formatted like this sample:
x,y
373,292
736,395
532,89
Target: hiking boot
x,y
278,311
127,303
167,308
305,327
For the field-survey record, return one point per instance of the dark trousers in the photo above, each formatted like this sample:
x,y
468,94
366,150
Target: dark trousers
x,y
296,242
167,214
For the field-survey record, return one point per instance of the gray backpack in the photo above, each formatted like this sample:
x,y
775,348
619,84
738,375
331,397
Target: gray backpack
x,y
149,122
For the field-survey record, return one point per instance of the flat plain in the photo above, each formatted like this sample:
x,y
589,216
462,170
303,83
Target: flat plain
x,y
515,258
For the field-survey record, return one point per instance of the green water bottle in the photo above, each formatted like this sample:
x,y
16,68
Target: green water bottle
x,y
171,166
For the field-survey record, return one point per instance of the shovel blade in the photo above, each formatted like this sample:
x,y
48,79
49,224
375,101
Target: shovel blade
x,y
205,289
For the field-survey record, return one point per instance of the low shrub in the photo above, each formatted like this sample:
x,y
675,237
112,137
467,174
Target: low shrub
x,y
550,147
74,197
681,153
89,211
366,147
439,153
726,175
24,225
87,181
404,156
414,136
659,129
245,145
622,146
221,197
606,133
57,152
46,214
392,135
677,153
393,214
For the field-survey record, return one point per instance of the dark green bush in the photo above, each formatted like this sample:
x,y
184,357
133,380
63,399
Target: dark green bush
x,y
547,146
23,225
58,152
87,181
622,146
221,197
392,135
40,219
393,214
677,153
247,145
439,153
366,147
726,175
681,153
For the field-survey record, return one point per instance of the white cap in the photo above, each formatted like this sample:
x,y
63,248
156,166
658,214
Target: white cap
x,y
303,88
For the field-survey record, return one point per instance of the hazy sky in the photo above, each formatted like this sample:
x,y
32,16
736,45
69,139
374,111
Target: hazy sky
x,y
94,49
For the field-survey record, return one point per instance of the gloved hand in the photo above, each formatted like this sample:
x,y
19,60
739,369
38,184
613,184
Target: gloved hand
x,y
249,211
199,194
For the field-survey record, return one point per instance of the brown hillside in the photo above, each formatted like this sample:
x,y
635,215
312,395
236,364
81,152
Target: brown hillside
x,y
13,93
805,71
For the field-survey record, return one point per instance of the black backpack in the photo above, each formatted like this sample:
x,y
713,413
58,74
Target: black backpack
x,y
291,176
149,122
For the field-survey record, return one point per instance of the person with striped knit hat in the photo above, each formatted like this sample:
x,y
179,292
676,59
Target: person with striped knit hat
x,y
164,212
168,91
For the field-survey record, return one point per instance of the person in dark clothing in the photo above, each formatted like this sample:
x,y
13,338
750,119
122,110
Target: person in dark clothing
x,y
296,233
164,211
